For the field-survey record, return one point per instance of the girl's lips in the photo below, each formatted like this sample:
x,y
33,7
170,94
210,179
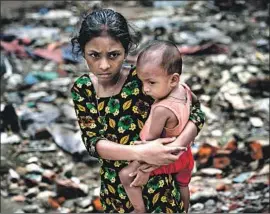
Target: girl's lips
x,y
104,75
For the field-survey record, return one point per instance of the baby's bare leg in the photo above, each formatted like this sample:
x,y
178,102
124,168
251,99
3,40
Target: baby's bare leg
x,y
185,197
134,193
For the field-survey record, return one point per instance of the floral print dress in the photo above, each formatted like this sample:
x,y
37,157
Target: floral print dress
x,y
120,119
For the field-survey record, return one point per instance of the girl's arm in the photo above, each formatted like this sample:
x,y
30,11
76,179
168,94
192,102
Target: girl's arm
x,y
98,146
193,127
153,152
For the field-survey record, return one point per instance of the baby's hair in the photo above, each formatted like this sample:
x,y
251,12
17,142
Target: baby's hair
x,y
170,59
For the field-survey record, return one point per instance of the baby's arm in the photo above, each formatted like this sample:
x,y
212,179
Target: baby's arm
x,y
160,116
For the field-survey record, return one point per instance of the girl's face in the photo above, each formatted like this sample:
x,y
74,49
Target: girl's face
x,y
104,56
157,83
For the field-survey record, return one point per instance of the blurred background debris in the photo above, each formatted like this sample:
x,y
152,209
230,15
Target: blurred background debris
x,y
225,46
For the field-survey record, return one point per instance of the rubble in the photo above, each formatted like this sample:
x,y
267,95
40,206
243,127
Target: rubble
x,y
44,164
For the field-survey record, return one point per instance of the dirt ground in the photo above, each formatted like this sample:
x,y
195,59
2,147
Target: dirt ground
x,y
9,207
9,7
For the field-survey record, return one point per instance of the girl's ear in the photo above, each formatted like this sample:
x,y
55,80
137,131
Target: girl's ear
x,y
175,79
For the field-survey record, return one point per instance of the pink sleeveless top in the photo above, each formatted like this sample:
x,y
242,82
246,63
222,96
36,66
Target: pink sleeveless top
x,y
181,108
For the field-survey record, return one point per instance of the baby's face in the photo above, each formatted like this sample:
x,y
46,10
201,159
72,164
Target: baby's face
x,y
156,81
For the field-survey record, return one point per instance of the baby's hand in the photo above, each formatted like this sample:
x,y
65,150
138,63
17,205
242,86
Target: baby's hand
x,y
141,179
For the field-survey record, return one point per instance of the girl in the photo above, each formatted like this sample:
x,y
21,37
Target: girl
x,y
112,108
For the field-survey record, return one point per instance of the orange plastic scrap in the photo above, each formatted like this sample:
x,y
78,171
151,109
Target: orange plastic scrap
x,y
97,204
206,150
223,152
61,200
221,162
231,145
53,203
222,187
256,150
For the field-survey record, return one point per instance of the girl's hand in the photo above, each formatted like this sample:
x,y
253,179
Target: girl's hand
x,y
141,179
156,153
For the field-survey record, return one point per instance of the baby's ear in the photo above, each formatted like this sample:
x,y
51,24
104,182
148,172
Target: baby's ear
x,y
175,79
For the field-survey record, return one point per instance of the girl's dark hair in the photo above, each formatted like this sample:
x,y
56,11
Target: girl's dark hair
x,y
103,21
170,60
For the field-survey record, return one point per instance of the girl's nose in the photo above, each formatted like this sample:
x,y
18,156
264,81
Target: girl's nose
x,y
104,64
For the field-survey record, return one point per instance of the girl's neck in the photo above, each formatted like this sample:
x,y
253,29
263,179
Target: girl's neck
x,y
112,83
108,89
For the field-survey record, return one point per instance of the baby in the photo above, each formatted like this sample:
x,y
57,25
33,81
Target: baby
x,y
159,67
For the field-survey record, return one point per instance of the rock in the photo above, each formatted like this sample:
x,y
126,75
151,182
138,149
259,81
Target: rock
x,y
13,175
225,208
18,198
84,202
256,121
211,171
210,202
14,189
237,69
216,133
236,101
45,195
221,187
69,189
33,160
252,197
34,168
203,196
32,179
243,177
12,139
244,77
32,192
252,69
225,77
48,176
31,208
197,206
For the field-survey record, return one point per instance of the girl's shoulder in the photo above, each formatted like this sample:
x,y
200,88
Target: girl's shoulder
x,y
82,85
82,81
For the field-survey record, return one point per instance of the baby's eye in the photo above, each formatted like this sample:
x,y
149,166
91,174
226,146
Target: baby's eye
x,y
151,83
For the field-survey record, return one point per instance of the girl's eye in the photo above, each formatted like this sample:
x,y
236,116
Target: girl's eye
x,y
94,55
151,83
113,55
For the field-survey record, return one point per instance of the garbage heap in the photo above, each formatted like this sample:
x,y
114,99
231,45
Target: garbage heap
x,y
225,48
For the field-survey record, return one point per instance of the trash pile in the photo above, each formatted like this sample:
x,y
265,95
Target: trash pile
x,y
44,164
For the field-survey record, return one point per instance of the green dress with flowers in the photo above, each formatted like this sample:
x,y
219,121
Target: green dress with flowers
x,y
121,119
